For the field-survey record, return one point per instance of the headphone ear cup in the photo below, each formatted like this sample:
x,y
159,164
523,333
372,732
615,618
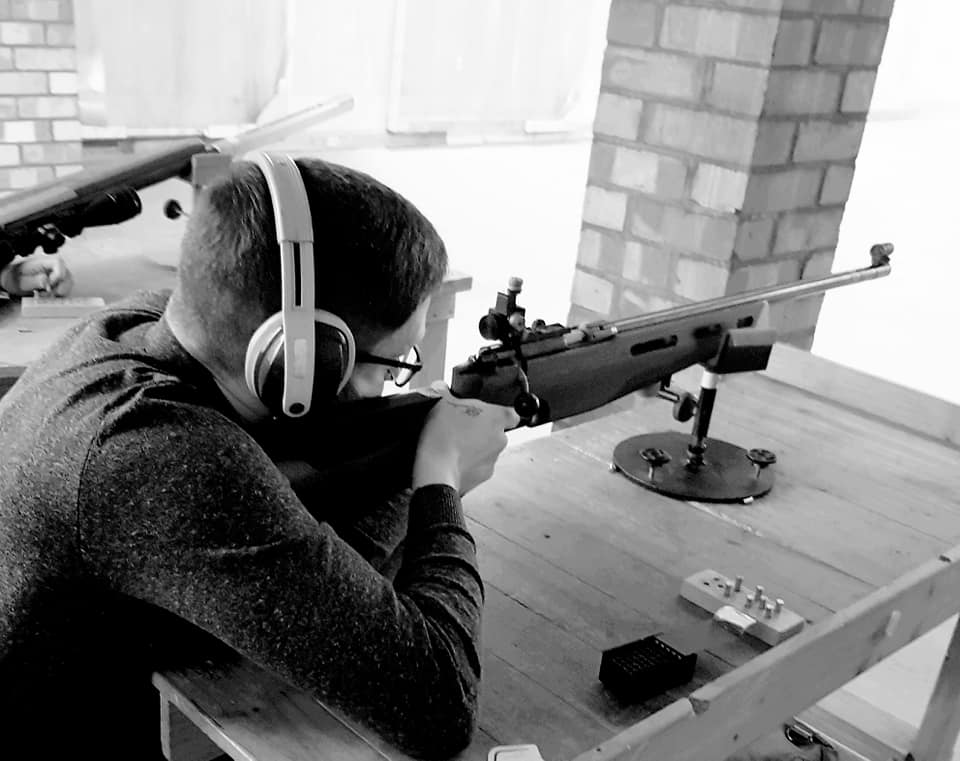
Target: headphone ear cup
x,y
334,355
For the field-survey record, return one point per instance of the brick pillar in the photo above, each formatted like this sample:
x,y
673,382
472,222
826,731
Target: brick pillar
x,y
40,137
724,145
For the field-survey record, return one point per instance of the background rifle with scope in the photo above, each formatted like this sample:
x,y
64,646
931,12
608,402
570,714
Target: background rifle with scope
x,y
45,216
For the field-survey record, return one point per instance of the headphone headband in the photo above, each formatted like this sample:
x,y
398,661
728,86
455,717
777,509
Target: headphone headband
x,y
295,236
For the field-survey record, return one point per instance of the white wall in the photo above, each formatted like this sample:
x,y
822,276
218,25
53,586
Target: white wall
x,y
905,191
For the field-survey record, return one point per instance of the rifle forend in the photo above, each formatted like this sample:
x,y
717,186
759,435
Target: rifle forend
x,y
44,216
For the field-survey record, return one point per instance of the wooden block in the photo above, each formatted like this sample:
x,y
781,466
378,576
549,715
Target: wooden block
x,y
707,589
55,306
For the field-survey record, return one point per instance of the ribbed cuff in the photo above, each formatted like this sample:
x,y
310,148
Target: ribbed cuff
x,y
435,504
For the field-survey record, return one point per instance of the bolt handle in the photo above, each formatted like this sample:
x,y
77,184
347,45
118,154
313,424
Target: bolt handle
x,y
684,403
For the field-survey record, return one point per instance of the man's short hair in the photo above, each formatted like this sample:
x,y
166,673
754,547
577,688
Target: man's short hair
x,y
376,256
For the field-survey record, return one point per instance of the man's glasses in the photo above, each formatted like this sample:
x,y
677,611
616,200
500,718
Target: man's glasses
x,y
400,370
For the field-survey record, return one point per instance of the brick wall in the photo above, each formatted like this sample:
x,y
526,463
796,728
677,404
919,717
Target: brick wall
x,y
40,137
725,140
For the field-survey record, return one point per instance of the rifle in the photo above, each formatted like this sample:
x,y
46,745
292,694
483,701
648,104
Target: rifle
x,y
552,372
44,216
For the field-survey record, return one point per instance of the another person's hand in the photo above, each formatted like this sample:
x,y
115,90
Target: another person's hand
x,y
37,272
461,441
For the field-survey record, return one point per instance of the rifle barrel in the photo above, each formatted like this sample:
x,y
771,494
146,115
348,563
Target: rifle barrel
x,y
772,294
275,131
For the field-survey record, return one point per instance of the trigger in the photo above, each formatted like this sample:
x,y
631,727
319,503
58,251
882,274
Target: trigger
x,y
526,405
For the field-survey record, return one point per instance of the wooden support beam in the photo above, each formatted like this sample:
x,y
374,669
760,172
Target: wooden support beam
x,y
941,722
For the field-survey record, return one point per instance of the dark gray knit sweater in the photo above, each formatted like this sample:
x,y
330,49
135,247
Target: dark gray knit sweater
x,y
141,524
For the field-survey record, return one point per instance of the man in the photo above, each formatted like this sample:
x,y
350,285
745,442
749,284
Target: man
x,y
141,522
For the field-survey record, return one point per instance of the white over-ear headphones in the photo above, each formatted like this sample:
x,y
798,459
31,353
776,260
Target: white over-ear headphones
x,y
301,354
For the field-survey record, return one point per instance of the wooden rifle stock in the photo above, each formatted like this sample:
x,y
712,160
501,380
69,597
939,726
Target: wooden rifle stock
x,y
566,370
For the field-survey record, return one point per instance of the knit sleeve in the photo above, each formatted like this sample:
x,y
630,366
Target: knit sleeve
x,y
180,508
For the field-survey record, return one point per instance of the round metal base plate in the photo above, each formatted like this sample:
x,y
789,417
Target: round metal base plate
x,y
725,476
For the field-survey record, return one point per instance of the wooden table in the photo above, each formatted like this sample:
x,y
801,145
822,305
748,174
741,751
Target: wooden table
x,y
577,559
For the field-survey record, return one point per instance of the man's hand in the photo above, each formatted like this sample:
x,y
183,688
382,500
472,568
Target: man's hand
x,y
37,272
461,441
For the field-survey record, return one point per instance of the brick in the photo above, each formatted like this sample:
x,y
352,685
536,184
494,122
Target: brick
x,y
646,218
25,177
647,265
803,92
67,129
802,340
805,232
721,34
40,10
21,33
61,35
632,22
63,82
588,252
19,131
713,136
877,8
801,314
653,73
600,251
62,170
756,5
604,208
634,303
797,6
22,83
774,143
618,115
45,59
857,91
763,275
754,238
47,107
738,88
6,59
719,188
4,8
9,155
601,162
850,43
819,264
836,185
8,108
592,292
702,234
782,190
649,172
831,141
835,7
794,43
697,280
578,315
52,153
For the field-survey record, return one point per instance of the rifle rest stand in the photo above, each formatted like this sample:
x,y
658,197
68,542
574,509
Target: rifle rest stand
x,y
695,467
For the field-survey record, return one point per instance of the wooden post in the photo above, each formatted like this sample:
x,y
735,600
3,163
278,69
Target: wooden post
x,y
941,721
